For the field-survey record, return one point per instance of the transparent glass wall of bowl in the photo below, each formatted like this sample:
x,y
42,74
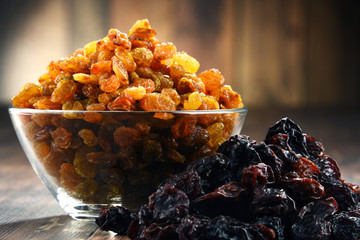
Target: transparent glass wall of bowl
x,y
128,155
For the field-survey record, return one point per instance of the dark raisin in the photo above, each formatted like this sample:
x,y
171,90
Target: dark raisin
x,y
286,156
274,223
268,157
346,225
271,202
188,182
295,138
214,170
311,228
241,152
193,228
224,228
257,175
168,203
116,219
329,170
344,195
303,190
160,232
324,208
228,199
314,147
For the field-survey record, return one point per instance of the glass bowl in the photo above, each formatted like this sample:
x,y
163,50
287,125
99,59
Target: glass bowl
x,y
90,159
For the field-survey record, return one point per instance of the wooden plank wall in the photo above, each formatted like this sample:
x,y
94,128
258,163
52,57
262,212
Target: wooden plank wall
x,y
271,43
292,53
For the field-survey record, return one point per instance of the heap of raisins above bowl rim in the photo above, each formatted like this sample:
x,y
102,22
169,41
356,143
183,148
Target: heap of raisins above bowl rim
x,y
121,159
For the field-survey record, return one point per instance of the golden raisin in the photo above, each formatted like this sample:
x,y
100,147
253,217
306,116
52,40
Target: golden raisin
x,y
120,70
91,90
90,49
46,103
72,105
69,178
42,119
87,101
122,103
119,38
144,23
87,188
47,87
183,126
42,149
126,57
109,84
88,137
21,100
209,103
64,91
185,61
52,164
190,83
161,81
142,56
157,102
101,67
125,136
193,102
77,64
62,137
91,115
105,159
104,98
230,99
85,78
105,45
148,84
172,93
96,107
164,51
136,93
213,80
82,166
216,134
105,55
146,35
54,69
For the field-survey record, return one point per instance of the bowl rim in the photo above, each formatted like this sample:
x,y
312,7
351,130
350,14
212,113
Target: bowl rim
x,y
13,110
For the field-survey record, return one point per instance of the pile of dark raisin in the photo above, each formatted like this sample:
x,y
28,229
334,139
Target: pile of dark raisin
x,y
282,188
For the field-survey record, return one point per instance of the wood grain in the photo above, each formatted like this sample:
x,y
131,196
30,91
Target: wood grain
x,y
28,210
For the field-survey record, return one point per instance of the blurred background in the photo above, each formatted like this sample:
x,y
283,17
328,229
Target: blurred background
x,y
297,58
276,53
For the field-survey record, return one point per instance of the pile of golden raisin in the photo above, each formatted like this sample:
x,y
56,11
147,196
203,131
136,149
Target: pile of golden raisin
x,y
128,72
96,155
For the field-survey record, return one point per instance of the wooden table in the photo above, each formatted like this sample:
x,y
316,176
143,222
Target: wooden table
x,y
29,211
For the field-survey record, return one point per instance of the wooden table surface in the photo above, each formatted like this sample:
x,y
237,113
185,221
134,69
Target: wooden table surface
x,y
29,211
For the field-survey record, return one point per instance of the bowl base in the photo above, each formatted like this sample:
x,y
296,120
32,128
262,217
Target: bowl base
x,y
85,212
79,210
